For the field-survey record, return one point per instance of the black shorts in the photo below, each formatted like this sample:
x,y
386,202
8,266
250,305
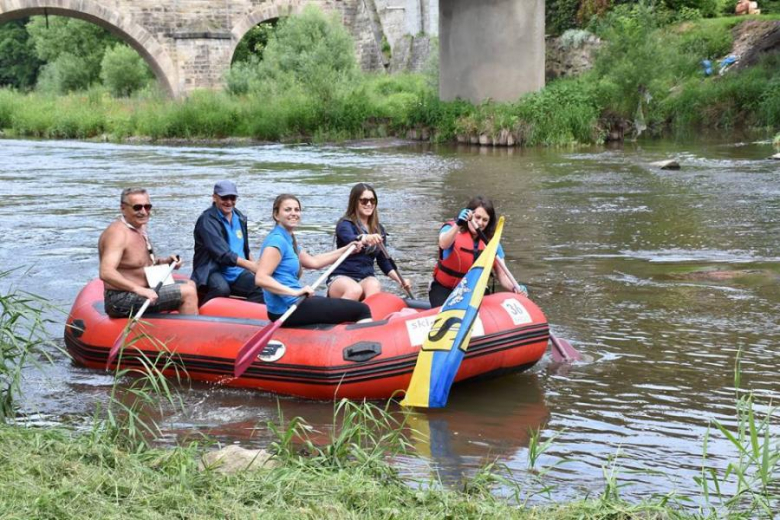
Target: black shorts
x,y
122,304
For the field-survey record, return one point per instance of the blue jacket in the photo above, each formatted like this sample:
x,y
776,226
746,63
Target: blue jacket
x,y
360,265
212,251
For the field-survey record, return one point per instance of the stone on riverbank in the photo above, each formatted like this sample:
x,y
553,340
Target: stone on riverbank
x,y
776,157
232,459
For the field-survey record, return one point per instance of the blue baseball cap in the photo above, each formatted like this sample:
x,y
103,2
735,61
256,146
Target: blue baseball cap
x,y
225,188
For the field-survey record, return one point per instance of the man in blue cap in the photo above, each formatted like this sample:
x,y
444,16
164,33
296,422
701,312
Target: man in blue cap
x,y
223,265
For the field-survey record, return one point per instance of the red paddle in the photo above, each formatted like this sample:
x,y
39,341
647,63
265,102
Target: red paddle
x,y
257,343
122,337
562,349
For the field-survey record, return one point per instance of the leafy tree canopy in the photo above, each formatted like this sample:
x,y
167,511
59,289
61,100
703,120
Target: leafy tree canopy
x,y
19,64
254,42
80,39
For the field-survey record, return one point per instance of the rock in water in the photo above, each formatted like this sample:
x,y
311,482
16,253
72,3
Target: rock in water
x,y
666,165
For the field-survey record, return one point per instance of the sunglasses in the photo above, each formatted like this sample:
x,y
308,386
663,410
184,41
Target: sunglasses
x,y
364,201
139,207
231,198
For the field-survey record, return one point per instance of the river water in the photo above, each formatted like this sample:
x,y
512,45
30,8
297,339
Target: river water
x,y
658,277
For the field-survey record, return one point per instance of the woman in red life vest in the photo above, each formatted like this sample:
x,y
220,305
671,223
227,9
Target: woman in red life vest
x,y
460,246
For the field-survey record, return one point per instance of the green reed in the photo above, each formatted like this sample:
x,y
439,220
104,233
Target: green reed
x,y
131,417
755,474
22,341
362,435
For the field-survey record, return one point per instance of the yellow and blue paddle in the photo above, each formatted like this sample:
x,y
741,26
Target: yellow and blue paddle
x,y
446,343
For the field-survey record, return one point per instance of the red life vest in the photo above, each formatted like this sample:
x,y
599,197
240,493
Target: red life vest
x,y
465,251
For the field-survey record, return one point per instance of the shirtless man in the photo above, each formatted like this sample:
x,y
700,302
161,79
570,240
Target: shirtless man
x,y
124,251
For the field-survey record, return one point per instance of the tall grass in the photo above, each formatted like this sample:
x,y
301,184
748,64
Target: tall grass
x,y
755,475
141,394
22,342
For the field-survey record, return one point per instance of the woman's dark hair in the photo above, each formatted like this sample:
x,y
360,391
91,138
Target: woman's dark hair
x,y
485,203
352,207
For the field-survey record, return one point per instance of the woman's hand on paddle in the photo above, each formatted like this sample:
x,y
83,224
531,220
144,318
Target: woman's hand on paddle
x,y
372,239
464,216
304,291
521,289
406,284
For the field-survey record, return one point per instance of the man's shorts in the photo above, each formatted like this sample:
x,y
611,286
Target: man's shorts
x,y
122,304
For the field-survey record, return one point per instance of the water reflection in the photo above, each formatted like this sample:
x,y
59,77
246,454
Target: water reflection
x,y
476,428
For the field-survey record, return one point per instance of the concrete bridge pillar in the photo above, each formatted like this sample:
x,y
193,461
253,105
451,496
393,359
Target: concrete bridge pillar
x,y
490,49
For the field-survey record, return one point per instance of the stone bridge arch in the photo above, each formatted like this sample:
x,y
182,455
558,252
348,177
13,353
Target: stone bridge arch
x,y
268,12
492,48
114,21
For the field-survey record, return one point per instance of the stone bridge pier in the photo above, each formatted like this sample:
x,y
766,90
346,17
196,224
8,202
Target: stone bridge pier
x,y
490,49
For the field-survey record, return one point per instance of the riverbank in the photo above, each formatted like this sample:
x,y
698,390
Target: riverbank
x,y
647,79
56,474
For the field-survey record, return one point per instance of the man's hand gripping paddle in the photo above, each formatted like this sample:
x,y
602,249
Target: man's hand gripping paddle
x,y
134,319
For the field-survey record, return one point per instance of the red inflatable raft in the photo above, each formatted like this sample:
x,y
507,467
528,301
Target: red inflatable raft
x,y
368,360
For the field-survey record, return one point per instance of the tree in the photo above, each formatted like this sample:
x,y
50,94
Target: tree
x,y
19,65
67,73
253,43
312,50
123,71
83,41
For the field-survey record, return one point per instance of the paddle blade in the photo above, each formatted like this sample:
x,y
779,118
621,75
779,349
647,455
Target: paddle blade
x,y
116,346
251,348
562,351
445,346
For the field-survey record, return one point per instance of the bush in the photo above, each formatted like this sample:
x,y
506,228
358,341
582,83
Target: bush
x,y
241,76
561,15
750,97
635,61
563,113
67,73
311,49
123,71
709,39
9,100
707,8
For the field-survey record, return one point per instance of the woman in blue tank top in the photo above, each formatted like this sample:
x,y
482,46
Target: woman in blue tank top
x,y
279,269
